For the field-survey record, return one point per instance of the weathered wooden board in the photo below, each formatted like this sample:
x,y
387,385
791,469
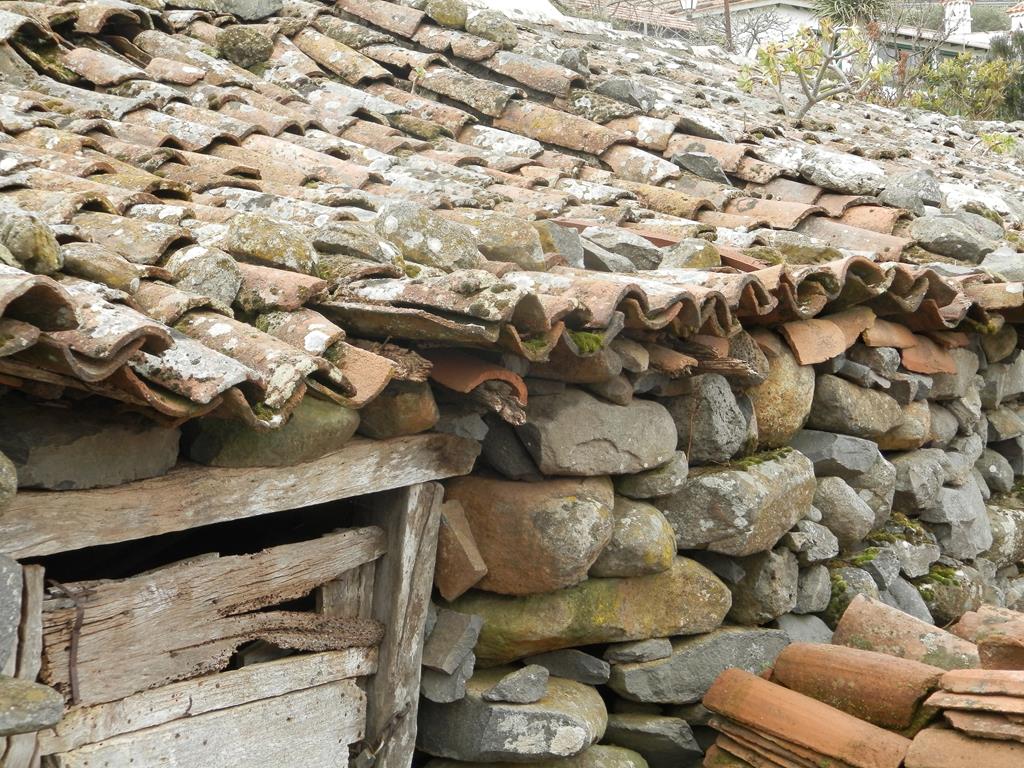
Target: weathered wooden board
x,y
88,725
187,619
22,749
39,523
310,727
401,596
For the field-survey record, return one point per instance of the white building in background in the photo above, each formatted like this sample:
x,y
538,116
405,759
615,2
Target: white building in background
x,y
791,15
1016,14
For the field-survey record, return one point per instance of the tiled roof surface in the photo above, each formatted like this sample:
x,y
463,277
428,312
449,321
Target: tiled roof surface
x,y
227,239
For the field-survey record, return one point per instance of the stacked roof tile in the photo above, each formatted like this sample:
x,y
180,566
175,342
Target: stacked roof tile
x,y
186,234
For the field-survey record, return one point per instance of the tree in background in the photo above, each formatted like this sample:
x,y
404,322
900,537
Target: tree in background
x,y
968,86
750,29
849,13
1010,48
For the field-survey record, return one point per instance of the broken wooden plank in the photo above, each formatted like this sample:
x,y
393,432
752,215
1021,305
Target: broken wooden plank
x,y
88,725
402,589
188,619
310,727
39,523
22,749
351,594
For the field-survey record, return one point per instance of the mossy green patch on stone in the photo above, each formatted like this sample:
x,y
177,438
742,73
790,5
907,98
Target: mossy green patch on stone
x,y
587,342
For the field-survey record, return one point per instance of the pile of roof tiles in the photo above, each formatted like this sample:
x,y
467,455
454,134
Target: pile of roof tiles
x,y
844,706
271,225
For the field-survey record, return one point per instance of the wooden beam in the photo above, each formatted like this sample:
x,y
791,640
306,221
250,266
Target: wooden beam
x,y
23,750
310,727
401,596
88,725
109,639
39,523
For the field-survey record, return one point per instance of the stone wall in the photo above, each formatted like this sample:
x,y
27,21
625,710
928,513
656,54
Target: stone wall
x,y
643,530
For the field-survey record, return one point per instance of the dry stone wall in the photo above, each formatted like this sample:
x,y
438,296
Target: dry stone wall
x,y
621,548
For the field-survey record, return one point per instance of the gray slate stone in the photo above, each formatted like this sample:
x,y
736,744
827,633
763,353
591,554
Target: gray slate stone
x,y
702,164
768,588
27,706
97,448
955,505
884,568
637,249
655,482
840,406
695,663
10,606
909,600
944,425
639,650
811,541
524,686
740,511
814,590
573,664
452,639
664,742
842,173
249,10
565,722
835,454
876,487
444,688
949,386
628,90
8,480
574,433
948,236
642,542
996,471
504,451
1005,261
711,425
804,629
919,476
847,583
843,512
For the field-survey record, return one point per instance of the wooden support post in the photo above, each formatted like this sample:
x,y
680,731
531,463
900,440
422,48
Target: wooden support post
x,y
401,597
23,749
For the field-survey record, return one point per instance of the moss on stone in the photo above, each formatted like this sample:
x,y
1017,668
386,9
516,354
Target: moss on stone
x,y
864,556
587,342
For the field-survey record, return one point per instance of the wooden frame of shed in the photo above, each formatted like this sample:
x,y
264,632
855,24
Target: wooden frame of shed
x,y
170,631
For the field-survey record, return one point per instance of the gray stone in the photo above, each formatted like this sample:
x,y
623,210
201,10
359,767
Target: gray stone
x,y
837,455
316,427
842,173
444,688
691,253
884,361
565,241
639,650
840,406
944,425
244,45
847,583
814,590
575,665
1004,424
1007,524
248,10
575,59
566,721
768,588
919,476
642,542
842,511
637,249
8,481
1013,452
493,25
862,376
804,629
960,589
967,410
964,539
597,756
98,447
206,271
30,242
662,481
504,451
618,389
601,259
270,242
711,425
447,13
876,487
985,227
986,492
996,471
909,600
948,236
955,505
664,742
574,433
1005,261
685,676
883,567
524,686
10,606
425,238
629,90
461,420
949,386
702,164
811,541
744,510
27,706
783,400
922,186
452,639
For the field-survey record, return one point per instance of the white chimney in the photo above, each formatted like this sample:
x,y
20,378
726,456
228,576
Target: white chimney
x,y
1016,14
958,17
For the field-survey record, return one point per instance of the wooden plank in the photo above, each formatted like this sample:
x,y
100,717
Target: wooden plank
x,y
350,595
39,523
88,725
311,727
187,619
22,749
401,597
